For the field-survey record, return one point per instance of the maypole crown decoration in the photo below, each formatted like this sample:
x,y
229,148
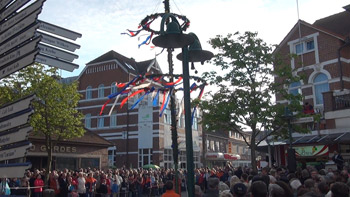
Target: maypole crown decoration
x,y
154,84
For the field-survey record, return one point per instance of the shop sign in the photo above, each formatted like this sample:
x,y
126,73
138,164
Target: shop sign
x,y
56,149
309,151
230,156
215,156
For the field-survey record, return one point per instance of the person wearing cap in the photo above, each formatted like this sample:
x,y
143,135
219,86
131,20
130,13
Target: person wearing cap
x,y
238,190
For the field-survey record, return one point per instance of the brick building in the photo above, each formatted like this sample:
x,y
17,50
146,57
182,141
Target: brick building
x,y
322,57
139,136
220,148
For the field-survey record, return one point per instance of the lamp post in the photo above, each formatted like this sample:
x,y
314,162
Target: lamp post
x,y
288,115
191,52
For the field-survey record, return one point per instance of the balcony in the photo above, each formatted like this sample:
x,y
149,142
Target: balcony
x,y
337,109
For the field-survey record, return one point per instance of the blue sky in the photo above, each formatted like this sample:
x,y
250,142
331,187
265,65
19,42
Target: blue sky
x,y
101,22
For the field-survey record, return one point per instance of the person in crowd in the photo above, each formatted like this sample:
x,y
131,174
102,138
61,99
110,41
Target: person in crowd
x,y
169,192
213,187
338,160
258,189
90,185
198,191
63,185
81,189
38,186
239,190
340,189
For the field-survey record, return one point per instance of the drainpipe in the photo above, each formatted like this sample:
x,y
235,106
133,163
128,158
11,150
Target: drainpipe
x,y
347,42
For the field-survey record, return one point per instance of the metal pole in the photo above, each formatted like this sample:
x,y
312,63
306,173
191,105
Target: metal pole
x,y
188,125
127,130
172,108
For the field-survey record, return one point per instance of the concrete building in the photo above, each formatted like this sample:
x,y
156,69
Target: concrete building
x,y
139,136
322,57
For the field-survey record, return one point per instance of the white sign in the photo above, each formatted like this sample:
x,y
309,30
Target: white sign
x,y
18,27
4,3
14,42
43,59
13,153
302,120
20,63
12,8
15,170
30,46
21,15
60,31
15,121
58,42
15,107
14,136
44,49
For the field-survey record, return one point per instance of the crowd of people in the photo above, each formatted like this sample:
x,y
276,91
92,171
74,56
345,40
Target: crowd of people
x,y
210,182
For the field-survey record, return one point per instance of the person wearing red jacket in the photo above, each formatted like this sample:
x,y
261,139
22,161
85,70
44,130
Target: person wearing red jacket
x,y
38,184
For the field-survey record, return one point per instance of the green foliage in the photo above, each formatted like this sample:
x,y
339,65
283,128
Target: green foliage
x,y
55,113
244,99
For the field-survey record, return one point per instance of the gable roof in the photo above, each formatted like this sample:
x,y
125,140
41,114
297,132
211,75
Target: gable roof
x,y
317,28
128,64
338,23
89,138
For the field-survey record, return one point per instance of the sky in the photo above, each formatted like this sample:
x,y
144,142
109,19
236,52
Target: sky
x,y
101,23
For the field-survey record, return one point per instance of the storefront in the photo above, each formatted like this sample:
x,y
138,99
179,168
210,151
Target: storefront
x,y
220,159
90,150
316,155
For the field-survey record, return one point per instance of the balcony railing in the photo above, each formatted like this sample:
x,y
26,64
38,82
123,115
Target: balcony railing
x,y
342,102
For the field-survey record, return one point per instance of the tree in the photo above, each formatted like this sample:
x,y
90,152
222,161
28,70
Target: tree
x,y
55,115
244,100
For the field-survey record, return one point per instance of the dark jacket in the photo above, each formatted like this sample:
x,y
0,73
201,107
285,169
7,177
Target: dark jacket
x,y
212,193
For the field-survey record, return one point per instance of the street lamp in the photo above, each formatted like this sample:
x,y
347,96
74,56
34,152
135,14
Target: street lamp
x,y
288,115
191,51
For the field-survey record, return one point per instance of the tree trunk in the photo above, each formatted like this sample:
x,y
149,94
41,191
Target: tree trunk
x,y
49,158
253,156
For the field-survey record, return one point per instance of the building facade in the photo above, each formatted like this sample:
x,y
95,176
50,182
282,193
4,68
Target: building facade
x,y
322,57
139,136
220,148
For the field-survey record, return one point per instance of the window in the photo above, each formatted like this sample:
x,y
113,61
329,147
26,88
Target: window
x,y
304,47
101,122
113,120
195,123
101,91
88,93
320,85
113,88
167,116
145,157
88,120
294,88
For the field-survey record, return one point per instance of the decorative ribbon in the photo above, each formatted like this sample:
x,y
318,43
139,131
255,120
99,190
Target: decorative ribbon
x,y
141,98
166,103
163,100
115,102
173,83
125,86
147,41
104,105
132,95
155,100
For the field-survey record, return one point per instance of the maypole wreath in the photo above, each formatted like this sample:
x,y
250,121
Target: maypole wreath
x,y
144,85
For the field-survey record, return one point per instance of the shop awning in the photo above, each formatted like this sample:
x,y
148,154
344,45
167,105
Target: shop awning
x,y
222,156
343,137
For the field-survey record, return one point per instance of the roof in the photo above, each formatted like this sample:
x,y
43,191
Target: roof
x,y
89,138
129,63
316,27
338,23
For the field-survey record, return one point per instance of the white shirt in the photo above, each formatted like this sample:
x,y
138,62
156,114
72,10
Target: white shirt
x,y
81,185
